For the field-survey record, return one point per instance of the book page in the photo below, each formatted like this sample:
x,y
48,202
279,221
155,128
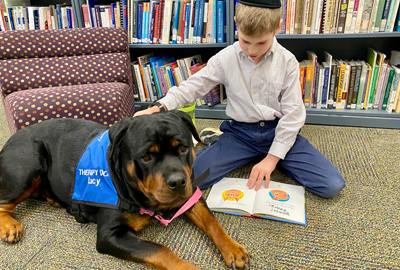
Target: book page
x,y
231,195
282,201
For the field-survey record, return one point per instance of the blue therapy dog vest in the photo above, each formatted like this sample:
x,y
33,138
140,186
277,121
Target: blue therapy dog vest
x,y
93,184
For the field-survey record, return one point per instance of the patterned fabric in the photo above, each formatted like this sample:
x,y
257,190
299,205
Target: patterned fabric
x,y
78,73
102,103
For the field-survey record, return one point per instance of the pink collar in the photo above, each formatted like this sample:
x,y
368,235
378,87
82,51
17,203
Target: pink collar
x,y
195,197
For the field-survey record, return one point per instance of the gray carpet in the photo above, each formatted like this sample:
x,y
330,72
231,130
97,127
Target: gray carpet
x,y
359,229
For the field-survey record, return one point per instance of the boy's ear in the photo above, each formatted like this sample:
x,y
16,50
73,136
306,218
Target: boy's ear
x,y
278,29
234,18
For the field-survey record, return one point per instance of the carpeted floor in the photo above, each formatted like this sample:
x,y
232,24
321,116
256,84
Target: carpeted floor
x,y
359,229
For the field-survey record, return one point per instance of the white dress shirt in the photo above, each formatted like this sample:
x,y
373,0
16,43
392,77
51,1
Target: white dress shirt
x,y
255,92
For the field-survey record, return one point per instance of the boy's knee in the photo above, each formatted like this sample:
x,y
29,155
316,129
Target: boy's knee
x,y
333,187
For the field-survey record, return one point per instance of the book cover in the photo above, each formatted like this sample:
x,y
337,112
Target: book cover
x,y
191,61
366,15
352,81
393,16
332,85
154,69
371,60
389,83
308,86
382,80
353,99
326,76
363,76
379,13
282,202
385,16
394,93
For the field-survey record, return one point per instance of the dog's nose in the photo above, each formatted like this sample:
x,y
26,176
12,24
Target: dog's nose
x,y
176,182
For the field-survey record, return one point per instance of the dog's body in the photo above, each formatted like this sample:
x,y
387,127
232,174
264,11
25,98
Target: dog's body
x,y
150,160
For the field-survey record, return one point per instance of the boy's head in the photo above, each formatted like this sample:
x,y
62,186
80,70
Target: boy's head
x,y
258,21
258,17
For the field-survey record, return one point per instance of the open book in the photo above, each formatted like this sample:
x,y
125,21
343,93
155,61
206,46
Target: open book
x,y
283,202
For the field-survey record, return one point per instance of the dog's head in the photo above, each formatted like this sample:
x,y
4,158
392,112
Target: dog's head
x,y
153,156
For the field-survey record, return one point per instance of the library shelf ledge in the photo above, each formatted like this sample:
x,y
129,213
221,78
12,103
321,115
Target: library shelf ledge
x,y
179,46
354,118
340,36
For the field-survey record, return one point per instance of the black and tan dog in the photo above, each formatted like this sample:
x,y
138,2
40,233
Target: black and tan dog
x,y
150,161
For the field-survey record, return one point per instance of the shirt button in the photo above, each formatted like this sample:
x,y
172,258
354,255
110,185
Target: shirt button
x,y
262,124
255,91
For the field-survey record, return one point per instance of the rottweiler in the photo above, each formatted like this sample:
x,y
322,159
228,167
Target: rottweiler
x,y
149,160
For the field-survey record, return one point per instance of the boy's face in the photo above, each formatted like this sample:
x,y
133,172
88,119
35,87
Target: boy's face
x,y
256,47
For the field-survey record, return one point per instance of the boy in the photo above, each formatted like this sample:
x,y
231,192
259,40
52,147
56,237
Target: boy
x,y
265,104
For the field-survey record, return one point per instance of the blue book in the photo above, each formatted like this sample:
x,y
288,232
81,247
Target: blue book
x,y
214,23
125,14
175,20
325,86
397,23
153,61
201,20
11,18
36,18
113,23
171,76
90,4
139,23
187,23
196,21
221,9
69,18
152,13
144,23
160,74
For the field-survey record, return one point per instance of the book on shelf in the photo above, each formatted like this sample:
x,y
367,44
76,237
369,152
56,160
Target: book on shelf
x,y
282,202
394,92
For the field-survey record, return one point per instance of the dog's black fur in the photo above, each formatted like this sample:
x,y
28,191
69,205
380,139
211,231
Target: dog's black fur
x,y
150,159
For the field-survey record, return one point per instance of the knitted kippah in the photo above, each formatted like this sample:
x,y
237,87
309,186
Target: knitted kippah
x,y
262,3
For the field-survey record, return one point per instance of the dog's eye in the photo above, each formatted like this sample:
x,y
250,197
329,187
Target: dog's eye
x,y
184,149
146,158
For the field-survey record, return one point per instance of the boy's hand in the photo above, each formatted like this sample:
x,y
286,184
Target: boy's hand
x,y
151,110
261,171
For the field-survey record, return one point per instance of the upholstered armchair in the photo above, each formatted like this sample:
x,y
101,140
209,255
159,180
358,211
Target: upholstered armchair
x,y
75,73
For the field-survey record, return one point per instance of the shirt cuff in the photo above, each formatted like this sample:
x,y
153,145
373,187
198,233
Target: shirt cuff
x,y
279,149
169,102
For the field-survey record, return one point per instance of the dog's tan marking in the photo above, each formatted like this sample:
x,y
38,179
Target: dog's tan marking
x,y
174,143
230,250
193,154
11,229
130,168
165,259
136,221
154,149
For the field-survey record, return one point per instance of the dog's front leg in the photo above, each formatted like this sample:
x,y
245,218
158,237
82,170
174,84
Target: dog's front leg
x,y
234,254
116,238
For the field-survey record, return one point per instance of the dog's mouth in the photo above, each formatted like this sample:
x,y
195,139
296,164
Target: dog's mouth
x,y
163,193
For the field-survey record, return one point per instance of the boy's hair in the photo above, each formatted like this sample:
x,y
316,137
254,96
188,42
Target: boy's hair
x,y
256,21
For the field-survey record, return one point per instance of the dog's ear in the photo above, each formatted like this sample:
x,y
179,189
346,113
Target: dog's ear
x,y
117,132
188,121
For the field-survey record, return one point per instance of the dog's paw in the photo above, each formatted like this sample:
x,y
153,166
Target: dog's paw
x,y
10,229
236,256
52,202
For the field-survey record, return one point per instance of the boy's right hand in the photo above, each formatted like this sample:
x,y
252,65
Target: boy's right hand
x,y
151,110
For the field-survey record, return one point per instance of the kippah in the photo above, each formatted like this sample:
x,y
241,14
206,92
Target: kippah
x,y
261,3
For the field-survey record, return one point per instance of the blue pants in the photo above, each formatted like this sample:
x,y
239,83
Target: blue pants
x,y
241,143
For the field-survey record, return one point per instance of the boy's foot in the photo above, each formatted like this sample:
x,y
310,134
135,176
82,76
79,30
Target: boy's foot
x,y
209,136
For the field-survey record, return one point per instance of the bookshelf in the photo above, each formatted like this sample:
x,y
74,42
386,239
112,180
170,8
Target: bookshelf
x,y
340,46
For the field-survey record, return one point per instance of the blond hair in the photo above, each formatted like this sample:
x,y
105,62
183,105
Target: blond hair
x,y
256,21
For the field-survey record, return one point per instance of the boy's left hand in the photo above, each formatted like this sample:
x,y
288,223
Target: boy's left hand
x,y
261,171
